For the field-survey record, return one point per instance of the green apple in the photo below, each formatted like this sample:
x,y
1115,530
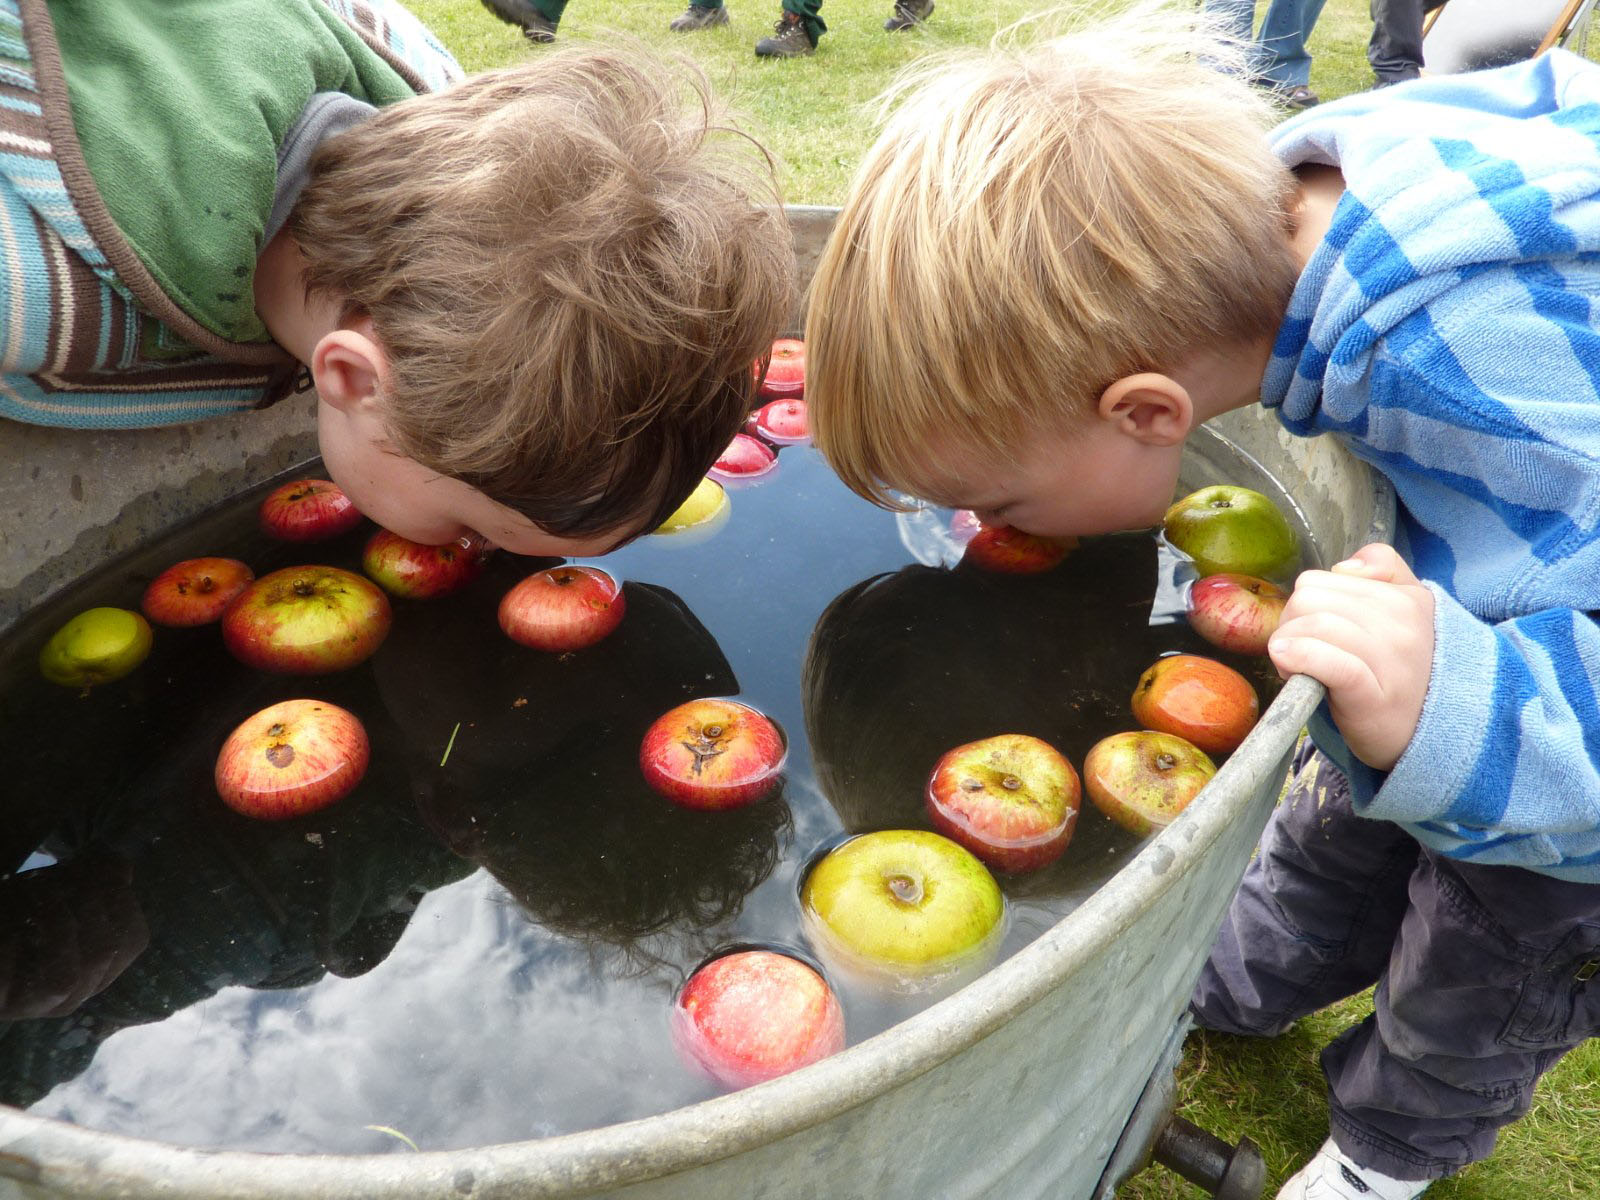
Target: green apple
x,y
96,646
906,907
707,504
1230,528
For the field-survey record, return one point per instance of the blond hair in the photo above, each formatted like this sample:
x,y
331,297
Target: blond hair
x,y
572,266
1033,223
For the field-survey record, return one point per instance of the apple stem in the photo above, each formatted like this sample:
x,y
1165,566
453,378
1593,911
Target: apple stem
x,y
1165,761
906,889
1011,783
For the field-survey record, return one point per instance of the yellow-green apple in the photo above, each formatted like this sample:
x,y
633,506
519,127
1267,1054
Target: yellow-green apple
x,y
562,608
1236,612
1225,528
1005,549
195,591
712,753
906,908
96,646
1197,698
306,620
1011,799
745,458
784,422
753,1015
786,371
308,510
1142,780
413,571
699,517
291,758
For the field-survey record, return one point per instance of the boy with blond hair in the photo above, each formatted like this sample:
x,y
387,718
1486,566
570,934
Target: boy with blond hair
x,y
1058,261
529,301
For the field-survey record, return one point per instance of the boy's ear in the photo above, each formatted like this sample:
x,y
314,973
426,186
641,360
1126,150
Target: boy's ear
x,y
348,367
1151,408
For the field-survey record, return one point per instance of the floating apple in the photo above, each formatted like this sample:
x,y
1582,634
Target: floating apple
x,y
712,753
290,759
563,608
903,907
1011,799
1236,612
308,510
96,646
707,506
195,591
754,1015
1197,698
1143,780
745,458
784,422
1230,529
1005,549
413,571
786,371
306,620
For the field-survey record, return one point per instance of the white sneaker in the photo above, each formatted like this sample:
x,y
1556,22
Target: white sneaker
x,y
1331,1176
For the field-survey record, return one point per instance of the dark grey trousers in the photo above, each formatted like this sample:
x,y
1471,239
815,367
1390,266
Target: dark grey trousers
x,y
1484,976
1395,48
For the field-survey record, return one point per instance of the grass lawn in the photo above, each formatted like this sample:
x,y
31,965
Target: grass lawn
x,y
812,113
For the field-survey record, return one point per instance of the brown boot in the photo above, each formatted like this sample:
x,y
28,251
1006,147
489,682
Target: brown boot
x,y
789,39
698,16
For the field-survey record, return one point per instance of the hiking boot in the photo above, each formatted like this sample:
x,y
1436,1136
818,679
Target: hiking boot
x,y
536,27
698,16
908,14
789,39
1331,1176
1297,98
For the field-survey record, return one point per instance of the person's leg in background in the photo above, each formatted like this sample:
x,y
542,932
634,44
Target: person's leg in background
x,y
1283,62
699,16
908,14
797,31
537,18
1395,48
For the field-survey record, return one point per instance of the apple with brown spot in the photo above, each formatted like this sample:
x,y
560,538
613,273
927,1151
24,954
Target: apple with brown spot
x,y
307,620
412,571
290,759
307,510
1011,799
1142,780
712,754
195,591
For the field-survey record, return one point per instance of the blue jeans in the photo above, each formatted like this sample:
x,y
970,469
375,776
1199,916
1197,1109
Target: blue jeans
x,y
1485,976
1278,58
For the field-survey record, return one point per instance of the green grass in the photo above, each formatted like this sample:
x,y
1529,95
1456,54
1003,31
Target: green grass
x,y
812,113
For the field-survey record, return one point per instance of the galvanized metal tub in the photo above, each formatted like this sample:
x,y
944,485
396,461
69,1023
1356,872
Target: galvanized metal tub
x,y
1019,1085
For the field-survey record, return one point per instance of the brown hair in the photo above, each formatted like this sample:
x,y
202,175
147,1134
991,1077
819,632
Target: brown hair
x,y
572,266
1031,225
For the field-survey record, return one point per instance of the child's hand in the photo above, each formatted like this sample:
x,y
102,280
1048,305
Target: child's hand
x,y
1365,630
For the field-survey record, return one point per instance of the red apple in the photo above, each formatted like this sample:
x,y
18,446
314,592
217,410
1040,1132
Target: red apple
x,y
306,621
290,759
1143,780
745,458
1198,699
754,1015
712,754
1012,800
413,571
308,510
784,422
786,371
195,591
1236,612
562,608
1005,549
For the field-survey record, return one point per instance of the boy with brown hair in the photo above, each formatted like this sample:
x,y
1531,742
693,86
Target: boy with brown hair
x,y
1057,261
529,301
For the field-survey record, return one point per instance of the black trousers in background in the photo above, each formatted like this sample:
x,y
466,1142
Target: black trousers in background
x,y
1486,975
1395,48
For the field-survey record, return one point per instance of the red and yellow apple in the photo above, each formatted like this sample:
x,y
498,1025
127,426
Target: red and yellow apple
x,y
753,1015
746,457
290,759
904,908
1227,529
96,646
786,371
1236,612
1142,780
195,591
1005,549
1011,799
308,510
307,620
1198,699
564,608
784,422
712,754
413,571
